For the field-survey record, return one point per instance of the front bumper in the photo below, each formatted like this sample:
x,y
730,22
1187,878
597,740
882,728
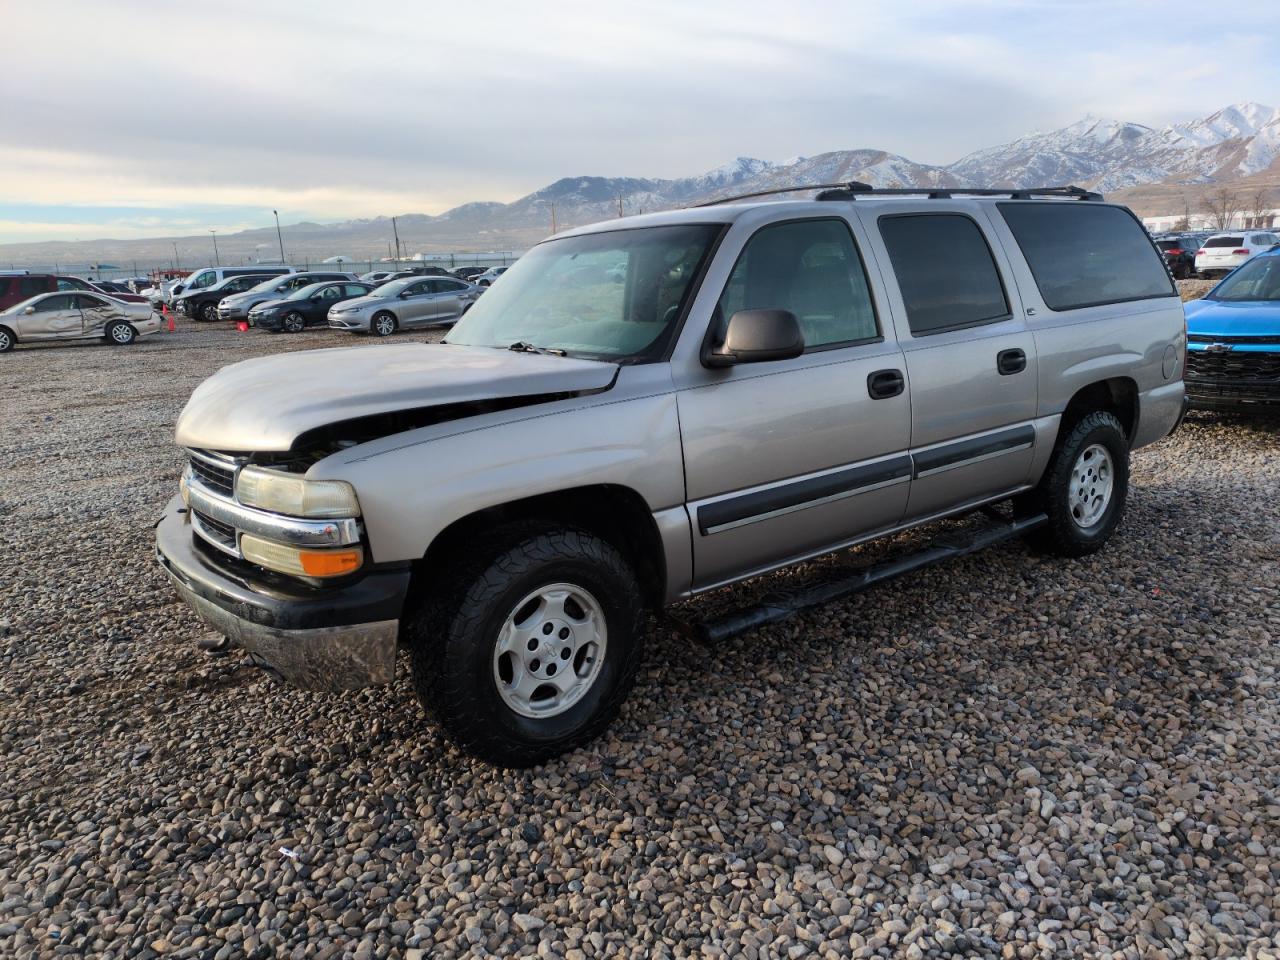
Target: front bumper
x,y
318,638
232,312
350,321
266,321
1239,395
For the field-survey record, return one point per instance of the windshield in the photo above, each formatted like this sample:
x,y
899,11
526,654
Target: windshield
x,y
392,287
614,295
1259,279
303,292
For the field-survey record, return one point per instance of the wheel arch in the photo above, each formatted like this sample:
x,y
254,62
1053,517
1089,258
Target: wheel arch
x,y
1115,395
615,513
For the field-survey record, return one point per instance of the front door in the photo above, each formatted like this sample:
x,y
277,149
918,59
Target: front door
x,y
970,358
787,458
53,318
417,305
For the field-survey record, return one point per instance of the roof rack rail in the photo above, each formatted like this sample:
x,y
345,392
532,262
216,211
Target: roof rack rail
x,y
854,189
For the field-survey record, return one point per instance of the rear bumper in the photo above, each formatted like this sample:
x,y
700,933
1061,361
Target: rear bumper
x,y
317,638
232,313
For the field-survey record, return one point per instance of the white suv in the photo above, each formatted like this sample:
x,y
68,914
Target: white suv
x,y
1223,252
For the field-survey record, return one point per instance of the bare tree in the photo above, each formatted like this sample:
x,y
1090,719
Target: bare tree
x,y
1221,206
1260,207
1184,222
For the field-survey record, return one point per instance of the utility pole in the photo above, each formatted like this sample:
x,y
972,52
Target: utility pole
x,y
395,230
619,206
553,218
216,261
279,235
177,264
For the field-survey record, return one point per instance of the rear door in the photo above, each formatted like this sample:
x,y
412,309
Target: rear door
x,y
52,318
95,313
448,298
971,361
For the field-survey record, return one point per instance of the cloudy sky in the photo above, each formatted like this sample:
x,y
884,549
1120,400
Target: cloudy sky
x,y
140,118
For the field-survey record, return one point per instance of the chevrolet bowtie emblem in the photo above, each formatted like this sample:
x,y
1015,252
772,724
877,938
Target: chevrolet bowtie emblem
x,y
1218,348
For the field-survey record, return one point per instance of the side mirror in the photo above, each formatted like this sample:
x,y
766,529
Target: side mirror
x,y
29,310
754,336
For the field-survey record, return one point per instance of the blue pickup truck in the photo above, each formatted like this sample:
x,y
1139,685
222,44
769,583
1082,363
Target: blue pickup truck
x,y
1233,340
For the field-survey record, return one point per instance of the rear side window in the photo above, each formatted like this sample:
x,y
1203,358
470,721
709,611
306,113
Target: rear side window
x,y
1085,254
945,271
1224,242
811,268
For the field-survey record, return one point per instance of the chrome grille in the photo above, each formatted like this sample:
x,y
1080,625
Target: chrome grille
x,y
216,532
214,471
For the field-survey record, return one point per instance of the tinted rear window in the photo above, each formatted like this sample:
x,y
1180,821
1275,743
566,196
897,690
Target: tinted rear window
x,y
1224,242
1084,254
945,271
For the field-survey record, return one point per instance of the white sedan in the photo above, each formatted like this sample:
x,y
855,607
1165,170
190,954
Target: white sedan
x,y
1223,252
75,316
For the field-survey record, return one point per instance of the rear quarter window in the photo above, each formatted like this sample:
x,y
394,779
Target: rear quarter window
x,y
1084,254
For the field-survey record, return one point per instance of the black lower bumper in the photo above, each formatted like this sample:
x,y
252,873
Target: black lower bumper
x,y
1237,396
324,637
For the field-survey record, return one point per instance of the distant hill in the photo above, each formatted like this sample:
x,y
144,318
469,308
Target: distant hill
x,y
1152,169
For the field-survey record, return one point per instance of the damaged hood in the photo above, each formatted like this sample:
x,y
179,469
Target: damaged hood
x,y
265,404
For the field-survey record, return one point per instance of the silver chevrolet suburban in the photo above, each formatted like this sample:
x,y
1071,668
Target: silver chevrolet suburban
x,y
647,409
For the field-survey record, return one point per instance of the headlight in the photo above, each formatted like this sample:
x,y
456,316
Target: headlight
x,y
184,487
300,562
295,496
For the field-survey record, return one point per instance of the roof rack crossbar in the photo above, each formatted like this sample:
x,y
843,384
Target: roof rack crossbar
x,y
854,189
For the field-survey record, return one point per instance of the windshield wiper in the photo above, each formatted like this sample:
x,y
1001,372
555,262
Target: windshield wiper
x,y
524,346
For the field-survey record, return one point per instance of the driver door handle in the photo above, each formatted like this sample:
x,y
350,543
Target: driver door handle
x,y
1009,362
884,384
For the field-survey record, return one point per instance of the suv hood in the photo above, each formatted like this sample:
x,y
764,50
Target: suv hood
x,y
264,405
1240,318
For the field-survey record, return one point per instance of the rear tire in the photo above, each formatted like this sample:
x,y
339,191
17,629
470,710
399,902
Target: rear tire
x,y
1084,489
383,324
566,592
209,312
120,333
7,340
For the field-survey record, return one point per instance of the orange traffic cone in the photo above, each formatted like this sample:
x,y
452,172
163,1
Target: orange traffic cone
x,y
164,309
242,326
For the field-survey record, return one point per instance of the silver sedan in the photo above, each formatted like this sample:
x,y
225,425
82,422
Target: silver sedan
x,y
408,302
75,316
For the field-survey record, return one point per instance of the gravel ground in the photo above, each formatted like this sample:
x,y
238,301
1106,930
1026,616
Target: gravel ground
x,y
1006,756
1194,289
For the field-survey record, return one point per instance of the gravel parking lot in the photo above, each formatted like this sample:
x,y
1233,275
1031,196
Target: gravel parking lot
x,y
1006,756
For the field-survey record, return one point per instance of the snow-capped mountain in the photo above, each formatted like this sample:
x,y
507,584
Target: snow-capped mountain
x,y
1241,140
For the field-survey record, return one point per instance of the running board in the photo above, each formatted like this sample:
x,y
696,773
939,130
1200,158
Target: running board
x,y
782,604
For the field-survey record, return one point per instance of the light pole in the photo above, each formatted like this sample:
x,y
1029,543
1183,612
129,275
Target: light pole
x,y
279,235
176,264
216,261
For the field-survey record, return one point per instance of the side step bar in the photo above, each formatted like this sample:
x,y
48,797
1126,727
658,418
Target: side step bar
x,y
782,604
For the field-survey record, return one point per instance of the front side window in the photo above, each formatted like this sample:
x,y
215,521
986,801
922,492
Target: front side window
x,y
615,295
1084,254
205,278
945,270
63,301
811,268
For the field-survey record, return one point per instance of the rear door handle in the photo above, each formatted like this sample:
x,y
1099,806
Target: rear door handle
x,y
884,384
1009,362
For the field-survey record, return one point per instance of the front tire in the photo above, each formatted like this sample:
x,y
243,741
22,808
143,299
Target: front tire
x,y
209,312
383,325
120,333
1084,489
294,323
7,339
529,649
